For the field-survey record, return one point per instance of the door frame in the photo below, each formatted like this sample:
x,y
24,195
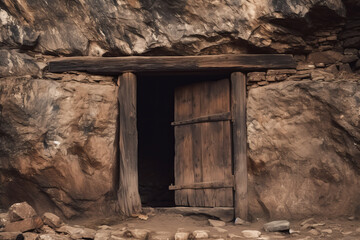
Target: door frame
x,y
124,68
128,194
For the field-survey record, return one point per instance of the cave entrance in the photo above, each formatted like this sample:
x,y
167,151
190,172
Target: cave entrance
x,y
128,69
205,158
155,113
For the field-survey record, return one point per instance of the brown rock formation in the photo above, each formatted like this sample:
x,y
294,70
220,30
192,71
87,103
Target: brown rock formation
x,y
57,140
304,148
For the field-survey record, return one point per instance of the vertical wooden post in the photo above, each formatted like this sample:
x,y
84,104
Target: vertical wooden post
x,y
238,99
128,193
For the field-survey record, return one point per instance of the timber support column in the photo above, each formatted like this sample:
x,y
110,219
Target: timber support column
x,y
128,193
238,99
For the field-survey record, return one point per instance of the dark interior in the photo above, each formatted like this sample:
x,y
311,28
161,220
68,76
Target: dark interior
x,y
155,112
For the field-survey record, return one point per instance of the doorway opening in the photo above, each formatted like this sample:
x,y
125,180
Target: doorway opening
x,y
156,141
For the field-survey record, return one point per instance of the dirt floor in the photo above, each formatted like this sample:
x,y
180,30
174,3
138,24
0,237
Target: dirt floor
x,y
315,228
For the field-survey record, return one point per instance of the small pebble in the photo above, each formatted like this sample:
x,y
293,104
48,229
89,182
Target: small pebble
x,y
314,232
328,231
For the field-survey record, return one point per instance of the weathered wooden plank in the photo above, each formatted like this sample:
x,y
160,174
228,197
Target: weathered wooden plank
x,y
184,169
215,98
128,194
202,147
238,96
117,65
202,185
223,213
208,118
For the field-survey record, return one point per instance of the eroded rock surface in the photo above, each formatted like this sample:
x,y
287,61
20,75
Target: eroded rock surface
x,y
57,132
57,141
127,27
304,148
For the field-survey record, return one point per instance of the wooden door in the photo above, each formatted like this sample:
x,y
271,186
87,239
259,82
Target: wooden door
x,y
203,159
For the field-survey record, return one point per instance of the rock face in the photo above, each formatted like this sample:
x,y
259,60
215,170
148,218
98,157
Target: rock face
x,y
304,148
57,131
59,136
127,27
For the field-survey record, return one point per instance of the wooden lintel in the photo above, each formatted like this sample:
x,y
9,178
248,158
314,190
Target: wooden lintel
x,y
226,62
203,185
238,99
208,118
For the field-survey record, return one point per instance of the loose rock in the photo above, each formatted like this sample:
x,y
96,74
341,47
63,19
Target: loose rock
x,y
138,233
47,229
8,235
30,236
4,218
234,236
181,236
275,226
24,225
20,211
51,220
53,237
239,221
200,234
328,231
216,223
160,236
77,232
314,232
251,233
102,235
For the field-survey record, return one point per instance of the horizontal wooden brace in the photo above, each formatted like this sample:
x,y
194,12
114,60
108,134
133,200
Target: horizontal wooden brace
x,y
204,185
117,65
208,118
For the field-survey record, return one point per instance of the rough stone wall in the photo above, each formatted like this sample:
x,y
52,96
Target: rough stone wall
x,y
57,142
303,124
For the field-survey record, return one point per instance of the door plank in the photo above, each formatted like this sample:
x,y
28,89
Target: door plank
x,y
128,193
184,146
203,161
238,88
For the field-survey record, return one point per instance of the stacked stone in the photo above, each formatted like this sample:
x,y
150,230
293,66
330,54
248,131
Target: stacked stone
x,y
351,34
326,65
256,79
325,39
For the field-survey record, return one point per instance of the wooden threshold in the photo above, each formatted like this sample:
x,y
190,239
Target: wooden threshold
x,y
223,213
117,65
208,118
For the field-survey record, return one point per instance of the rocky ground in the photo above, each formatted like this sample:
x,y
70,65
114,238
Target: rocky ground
x,y
22,222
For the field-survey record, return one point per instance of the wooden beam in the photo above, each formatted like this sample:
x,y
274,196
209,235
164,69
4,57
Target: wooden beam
x,y
223,213
117,65
208,118
238,97
128,193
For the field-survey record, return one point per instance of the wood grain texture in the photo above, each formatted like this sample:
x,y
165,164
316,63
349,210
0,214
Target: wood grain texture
x,y
203,185
208,118
117,65
128,194
238,102
203,150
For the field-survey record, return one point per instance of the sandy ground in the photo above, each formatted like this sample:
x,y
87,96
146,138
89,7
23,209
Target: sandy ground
x,y
340,228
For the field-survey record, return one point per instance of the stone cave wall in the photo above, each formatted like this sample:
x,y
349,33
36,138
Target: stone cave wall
x,y
57,131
